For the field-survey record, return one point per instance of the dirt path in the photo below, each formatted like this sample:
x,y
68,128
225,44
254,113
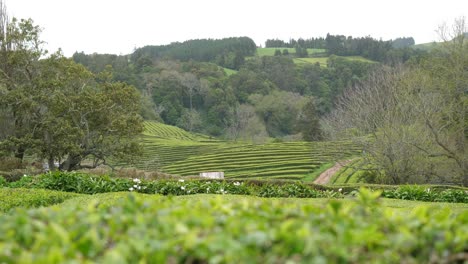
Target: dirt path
x,y
325,176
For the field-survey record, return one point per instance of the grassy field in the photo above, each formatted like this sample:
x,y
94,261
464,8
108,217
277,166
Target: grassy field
x,y
229,72
175,151
320,60
426,46
271,51
323,60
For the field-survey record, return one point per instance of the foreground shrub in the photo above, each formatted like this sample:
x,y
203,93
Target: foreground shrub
x,y
167,229
89,184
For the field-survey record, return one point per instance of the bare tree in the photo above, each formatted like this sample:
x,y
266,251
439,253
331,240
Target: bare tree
x,y
410,121
246,125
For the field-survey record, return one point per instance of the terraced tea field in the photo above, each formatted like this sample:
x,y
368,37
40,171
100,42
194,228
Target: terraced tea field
x,y
175,151
349,174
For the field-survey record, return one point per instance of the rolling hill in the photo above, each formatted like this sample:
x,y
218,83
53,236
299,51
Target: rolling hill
x,y
315,56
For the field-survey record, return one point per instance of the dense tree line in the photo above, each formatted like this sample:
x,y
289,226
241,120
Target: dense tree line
x,y
199,96
227,52
311,43
392,51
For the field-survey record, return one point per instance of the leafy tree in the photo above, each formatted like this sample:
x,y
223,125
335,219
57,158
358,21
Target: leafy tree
x,y
249,82
190,120
309,122
20,51
301,52
402,42
56,109
279,111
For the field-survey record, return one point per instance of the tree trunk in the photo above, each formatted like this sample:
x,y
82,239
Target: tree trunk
x,y
51,163
19,154
72,163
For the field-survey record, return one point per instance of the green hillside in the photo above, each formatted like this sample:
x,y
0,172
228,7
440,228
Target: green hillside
x,y
317,56
426,46
323,60
175,151
271,51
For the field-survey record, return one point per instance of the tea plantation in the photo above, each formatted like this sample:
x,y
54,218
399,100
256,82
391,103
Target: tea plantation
x,y
178,152
75,217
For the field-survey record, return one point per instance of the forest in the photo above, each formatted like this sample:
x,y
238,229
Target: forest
x,y
186,84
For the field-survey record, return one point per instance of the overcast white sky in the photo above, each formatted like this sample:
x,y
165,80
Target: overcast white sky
x,y
118,26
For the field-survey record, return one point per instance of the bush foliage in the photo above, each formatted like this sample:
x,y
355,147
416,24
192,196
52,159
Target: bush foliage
x,y
89,184
165,229
19,197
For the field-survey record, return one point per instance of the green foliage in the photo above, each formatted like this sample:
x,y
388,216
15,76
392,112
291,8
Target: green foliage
x,y
10,163
159,229
427,193
27,198
293,190
88,184
56,109
410,121
227,52
308,123
3,182
288,160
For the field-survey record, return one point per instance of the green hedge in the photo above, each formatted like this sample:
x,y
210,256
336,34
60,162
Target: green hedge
x,y
88,184
164,229
20,197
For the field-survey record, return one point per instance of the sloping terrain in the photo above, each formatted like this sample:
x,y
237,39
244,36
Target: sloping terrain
x,y
175,151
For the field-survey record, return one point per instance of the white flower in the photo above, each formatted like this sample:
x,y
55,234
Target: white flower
x,y
208,189
135,186
130,189
139,188
137,180
181,180
25,175
340,189
182,187
222,190
237,183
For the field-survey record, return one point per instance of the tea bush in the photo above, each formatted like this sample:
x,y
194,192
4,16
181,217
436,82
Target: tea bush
x,y
18,197
166,229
